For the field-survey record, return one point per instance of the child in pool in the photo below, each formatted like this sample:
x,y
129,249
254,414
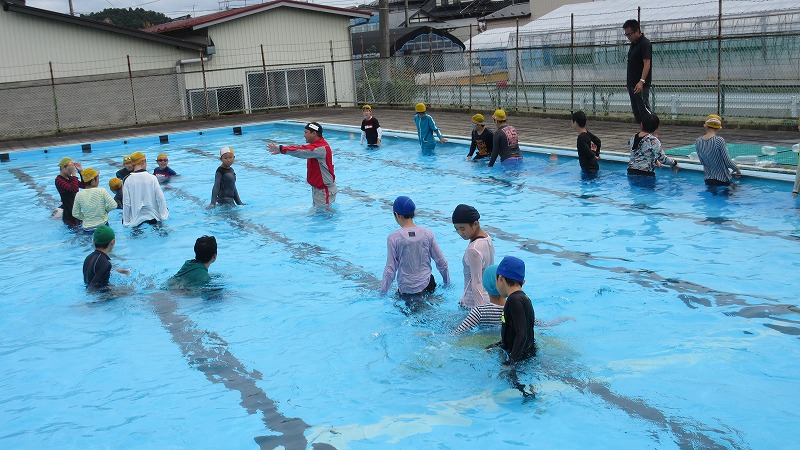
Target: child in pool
x,y
479,254
115,184
163,172
224,191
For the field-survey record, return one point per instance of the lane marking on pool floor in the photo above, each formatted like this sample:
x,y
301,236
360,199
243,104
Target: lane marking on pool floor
x,y
633,407
207,352
690,293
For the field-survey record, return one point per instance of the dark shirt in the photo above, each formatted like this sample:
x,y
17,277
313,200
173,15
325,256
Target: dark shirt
x,y
586,156
505,144
224,190
67,189
370,128
637,53
165,172
483,142
123,173
118,198
192,273
96,270
517,327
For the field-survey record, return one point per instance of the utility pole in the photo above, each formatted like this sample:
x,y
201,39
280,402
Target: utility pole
x,y
71,9
383,25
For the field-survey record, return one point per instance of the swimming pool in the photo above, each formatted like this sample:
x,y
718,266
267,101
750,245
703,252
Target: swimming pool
x,y
685,333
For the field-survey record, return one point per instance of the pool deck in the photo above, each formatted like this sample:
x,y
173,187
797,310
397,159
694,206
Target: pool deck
x,y
535,131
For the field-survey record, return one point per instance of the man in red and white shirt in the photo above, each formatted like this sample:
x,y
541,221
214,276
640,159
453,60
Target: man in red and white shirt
x,y
319,162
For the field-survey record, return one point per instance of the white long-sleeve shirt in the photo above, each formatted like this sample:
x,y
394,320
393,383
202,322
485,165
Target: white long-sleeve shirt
x,y
142,199
479,256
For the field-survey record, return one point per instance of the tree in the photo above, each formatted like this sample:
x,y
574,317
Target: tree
x,y
136,19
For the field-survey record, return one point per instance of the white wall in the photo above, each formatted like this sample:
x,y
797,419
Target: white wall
x,y
238,49
28,44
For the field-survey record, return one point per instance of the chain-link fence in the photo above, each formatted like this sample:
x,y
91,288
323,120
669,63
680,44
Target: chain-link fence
x,y
188,89
749,68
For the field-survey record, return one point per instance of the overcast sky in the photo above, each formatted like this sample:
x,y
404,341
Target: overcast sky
x,y
172,8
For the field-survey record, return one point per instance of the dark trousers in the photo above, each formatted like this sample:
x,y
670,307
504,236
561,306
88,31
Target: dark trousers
x,y
640,103
428,289
713,182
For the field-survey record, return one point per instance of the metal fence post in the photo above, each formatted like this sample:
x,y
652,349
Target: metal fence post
x,y
572,55
264,71
469,67
55,98
519,71
719,59
133,95
430,65
205,87
544,97
333,72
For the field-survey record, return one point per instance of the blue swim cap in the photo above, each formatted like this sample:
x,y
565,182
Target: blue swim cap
x,y
490,280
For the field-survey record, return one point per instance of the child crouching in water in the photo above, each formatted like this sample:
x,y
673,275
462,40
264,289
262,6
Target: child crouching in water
x,y
163,172
224,191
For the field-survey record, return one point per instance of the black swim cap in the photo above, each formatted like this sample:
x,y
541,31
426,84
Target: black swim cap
x,y
465,214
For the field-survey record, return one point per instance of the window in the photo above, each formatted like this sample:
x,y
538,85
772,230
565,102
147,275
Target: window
x,y
295,87
220,100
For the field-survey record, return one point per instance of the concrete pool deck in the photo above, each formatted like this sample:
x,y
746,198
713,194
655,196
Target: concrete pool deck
x,y
541,132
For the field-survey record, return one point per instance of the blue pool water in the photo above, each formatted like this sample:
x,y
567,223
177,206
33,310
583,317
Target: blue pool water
x,y
685,305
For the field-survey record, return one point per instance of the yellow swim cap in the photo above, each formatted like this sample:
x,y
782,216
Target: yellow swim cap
x,y
115,183
89,174
420,107
64,161
367,107
137,157
477,118
713,121
499,115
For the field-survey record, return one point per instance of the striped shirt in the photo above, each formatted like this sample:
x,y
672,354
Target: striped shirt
x,y
92,206
484,315
715,159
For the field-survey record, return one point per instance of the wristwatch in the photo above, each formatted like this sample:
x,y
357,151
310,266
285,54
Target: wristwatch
x,y
642,81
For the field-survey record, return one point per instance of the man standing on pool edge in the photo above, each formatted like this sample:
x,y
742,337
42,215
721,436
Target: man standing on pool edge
x,y
640,69
319,163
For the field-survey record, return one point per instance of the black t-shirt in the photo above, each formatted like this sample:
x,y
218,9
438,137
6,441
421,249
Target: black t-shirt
x,y
637,53
96,270
586,156
517,330
370,128
482,142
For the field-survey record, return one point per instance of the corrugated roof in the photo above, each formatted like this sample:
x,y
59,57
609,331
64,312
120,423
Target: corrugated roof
x,y
615,12
223,16
518,10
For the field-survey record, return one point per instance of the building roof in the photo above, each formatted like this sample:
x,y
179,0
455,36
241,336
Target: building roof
x,y
370,40
509,12
9,6
615,12
196,23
